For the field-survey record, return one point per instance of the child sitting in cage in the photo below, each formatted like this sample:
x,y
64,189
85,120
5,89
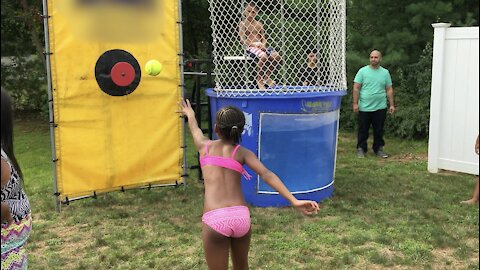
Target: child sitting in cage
x,y
252,36
310,75
226,218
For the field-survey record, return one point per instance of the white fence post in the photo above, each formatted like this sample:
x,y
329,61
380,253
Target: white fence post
x,y
436,95
454,107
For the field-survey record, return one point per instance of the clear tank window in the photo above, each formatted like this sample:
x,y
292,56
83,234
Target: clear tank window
x,y
300,149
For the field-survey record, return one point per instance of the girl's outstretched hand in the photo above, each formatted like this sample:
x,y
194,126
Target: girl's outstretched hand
x,y
186,108
307,207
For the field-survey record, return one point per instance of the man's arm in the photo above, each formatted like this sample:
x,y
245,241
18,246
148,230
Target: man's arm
x,y
390,99
262,34
241,33
356,94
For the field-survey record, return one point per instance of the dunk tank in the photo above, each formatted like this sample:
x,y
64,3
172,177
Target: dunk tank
x,y
292,109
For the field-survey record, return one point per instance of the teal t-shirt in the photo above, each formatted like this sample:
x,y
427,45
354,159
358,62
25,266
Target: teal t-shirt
x,y
373,94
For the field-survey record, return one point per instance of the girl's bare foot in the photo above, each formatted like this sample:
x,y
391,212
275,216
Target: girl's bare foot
x,y
260,84
270,82
471,201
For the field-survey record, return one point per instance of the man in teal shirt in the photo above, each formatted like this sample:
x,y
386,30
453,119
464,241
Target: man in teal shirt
x,y
371,88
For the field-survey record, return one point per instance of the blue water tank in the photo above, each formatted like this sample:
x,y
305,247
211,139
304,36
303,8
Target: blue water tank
x,y
294,135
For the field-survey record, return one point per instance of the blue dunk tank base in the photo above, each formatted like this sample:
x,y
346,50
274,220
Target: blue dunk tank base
x,y
294,135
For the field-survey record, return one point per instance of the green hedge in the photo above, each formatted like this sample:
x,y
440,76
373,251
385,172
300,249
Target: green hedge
x,y
25,79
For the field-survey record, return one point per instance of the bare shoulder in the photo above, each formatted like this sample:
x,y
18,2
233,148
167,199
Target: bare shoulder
x,y
202,146
6,171
250,159
245,153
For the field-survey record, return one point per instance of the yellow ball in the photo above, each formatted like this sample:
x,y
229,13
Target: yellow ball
x,y
153,67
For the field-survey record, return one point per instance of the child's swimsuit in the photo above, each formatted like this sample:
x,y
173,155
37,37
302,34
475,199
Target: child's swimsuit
x,y
256,53
231,221
228,163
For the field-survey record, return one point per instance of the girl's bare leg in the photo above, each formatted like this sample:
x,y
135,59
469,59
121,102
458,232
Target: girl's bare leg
x,y
216,248
240,248
273,62
474,199
260,73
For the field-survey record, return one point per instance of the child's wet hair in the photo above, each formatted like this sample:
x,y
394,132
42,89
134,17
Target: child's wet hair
x,y
230,121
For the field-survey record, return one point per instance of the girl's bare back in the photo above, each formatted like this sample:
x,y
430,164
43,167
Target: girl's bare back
x,y
222,186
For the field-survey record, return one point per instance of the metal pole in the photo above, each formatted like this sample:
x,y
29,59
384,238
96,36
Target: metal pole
x,y
182,89
282,47
196,95
318,37
198,110
50,104
246,74
209,74
344,27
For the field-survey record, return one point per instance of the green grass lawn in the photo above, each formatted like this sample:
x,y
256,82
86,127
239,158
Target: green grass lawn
x,y
385,214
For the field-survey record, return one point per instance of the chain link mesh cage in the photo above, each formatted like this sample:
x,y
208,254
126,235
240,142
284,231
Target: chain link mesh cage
x,y
269,47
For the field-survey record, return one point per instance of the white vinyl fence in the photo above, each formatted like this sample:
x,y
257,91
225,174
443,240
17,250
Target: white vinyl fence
x,y
454,106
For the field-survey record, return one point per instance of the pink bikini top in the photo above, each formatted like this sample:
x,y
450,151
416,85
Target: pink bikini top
x,y
224,162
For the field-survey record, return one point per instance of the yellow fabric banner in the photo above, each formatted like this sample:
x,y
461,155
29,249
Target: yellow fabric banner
x,y
117,126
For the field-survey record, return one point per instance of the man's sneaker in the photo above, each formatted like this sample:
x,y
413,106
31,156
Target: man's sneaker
x,y
360,153
381,153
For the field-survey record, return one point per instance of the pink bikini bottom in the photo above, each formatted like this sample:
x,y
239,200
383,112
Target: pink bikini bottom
x,y
229,221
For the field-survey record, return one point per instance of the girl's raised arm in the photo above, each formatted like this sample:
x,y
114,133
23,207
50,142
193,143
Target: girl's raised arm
x,y
198,138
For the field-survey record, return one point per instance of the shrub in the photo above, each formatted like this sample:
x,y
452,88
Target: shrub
x,y
413,99
25,79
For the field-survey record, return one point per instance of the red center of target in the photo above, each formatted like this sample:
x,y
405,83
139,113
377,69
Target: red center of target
x,y
122,74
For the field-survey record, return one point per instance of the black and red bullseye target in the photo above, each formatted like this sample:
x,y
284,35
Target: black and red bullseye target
x,y
117,72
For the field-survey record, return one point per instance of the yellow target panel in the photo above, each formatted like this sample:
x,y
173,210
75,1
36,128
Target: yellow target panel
x,y
116,126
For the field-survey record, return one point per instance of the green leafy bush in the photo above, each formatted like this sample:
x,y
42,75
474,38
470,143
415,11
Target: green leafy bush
x,y
25,79
413,99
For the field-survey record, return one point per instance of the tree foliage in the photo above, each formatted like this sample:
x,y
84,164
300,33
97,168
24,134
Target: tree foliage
x,y
402,31
197,34
21,27
23,62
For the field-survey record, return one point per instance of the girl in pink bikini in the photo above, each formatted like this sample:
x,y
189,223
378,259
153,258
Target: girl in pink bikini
x,y
226,218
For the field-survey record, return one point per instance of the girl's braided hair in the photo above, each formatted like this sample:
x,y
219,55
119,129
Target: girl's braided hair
x,y
230,122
